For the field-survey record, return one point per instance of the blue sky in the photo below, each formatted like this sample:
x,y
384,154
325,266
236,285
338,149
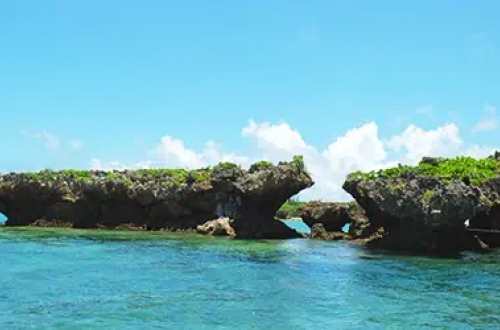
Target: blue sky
x,y
128,83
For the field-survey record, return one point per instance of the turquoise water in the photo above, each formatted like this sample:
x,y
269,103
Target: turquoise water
x,y
298,225
76,279
301,227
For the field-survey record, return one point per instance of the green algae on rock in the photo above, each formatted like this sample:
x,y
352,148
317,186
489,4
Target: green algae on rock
x,y
175,199
424,208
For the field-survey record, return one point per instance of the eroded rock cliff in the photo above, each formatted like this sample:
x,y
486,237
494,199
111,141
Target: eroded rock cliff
x,y
157,199
434,207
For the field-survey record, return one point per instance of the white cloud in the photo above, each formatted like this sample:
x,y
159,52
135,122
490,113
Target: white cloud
x,y
488,121
477,151
361,148
212,154
173,152
417,142
358,149
271,138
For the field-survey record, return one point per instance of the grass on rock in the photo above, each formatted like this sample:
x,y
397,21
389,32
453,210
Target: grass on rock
x,y
467,169
176,177
291,209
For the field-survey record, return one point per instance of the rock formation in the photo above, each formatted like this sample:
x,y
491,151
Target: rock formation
x,y
157,199
318,231
218,227
424,208
334,216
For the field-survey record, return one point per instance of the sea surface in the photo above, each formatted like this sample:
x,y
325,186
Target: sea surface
x,y
78,279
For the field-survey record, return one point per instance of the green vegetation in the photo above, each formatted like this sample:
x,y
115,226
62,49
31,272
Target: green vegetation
x,y
467,169
176,177
291,209
200,175
298,163
427,196
225,166
259,166
50,175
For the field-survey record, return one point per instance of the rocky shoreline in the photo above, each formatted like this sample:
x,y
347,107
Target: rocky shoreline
x,y
441,206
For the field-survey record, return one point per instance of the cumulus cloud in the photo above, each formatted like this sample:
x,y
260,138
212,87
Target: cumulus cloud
x,y
361,148
488,122
478,151
417,142
173,152
277,138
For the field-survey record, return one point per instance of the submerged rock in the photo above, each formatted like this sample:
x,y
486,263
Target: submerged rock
x,y
218,227
424,208
157,199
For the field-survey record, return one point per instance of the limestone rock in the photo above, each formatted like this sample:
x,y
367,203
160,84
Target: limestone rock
x,y
425,213
218,227
157,198
318,231
334,216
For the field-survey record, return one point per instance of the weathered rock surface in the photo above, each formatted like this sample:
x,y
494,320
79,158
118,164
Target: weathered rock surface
x,y
218,227
157,199
334,216
426,214
318,231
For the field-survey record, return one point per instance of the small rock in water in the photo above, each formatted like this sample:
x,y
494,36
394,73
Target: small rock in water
x,y
217,227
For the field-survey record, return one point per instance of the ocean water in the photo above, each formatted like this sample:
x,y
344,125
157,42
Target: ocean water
x,y
77,279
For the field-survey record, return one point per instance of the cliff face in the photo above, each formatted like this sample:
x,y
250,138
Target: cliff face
x,y
156,199
427,208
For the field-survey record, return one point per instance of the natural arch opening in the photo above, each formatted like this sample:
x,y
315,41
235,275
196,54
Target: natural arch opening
x,y
290,214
